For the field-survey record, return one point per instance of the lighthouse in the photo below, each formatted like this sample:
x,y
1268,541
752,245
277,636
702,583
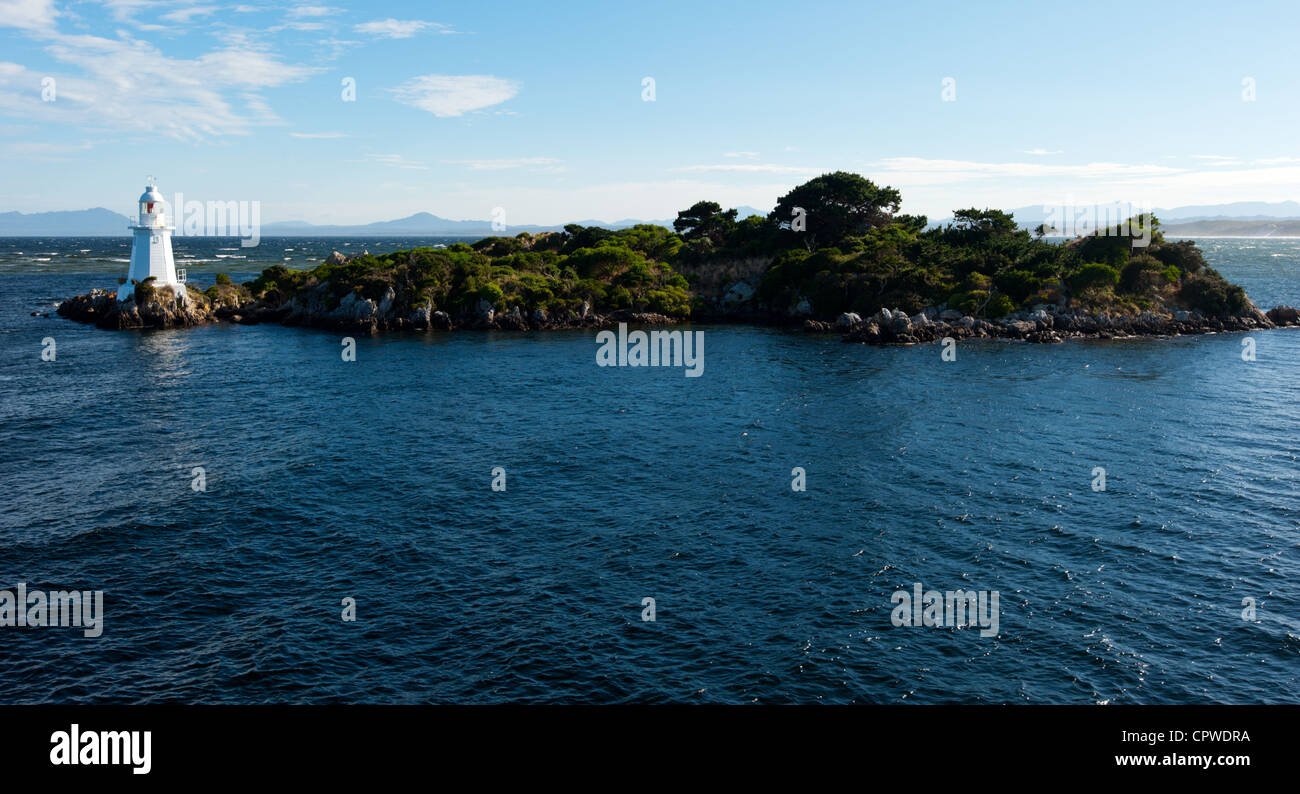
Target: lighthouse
x,y
151,250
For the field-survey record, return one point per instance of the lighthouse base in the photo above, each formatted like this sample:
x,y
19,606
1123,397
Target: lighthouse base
x,y
165,308
165,292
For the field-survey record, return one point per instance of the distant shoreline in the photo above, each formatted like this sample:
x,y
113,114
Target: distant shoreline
x,y
371,235
1236,236
182,238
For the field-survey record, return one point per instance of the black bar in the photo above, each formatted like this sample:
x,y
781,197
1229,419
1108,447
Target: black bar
x,y
1024,743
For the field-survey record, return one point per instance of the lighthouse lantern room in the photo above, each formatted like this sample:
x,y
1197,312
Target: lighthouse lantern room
x,y
151,250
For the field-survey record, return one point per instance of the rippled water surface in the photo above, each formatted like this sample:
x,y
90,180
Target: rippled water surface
x,y
328,479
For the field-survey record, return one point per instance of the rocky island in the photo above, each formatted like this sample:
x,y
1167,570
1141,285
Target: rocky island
x,y
834,256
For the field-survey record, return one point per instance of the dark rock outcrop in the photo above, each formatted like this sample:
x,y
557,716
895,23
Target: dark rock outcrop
x,y
157,308
1284,315
1042,326
353,314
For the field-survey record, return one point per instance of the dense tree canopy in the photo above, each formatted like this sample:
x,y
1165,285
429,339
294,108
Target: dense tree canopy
x,y
705,219
855,254
837,206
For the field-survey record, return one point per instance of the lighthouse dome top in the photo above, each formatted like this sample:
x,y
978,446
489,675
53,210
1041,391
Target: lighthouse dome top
x,y
153,208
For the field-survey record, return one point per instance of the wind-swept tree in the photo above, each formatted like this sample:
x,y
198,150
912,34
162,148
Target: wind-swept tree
x,y
985,222
705,219
837,206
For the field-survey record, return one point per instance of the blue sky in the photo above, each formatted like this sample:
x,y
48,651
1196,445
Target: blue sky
x,y
538,108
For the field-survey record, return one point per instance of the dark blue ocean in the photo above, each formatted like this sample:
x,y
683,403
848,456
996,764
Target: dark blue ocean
x,y
371,480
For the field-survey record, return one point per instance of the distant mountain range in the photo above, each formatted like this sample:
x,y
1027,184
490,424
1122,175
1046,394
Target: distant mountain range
x,y
1239,219
1238,211
1232,228
99,222
424,223
1029,217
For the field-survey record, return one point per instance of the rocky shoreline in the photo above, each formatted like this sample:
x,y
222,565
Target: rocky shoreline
x,y
352,315
361,315
1043,325
731,300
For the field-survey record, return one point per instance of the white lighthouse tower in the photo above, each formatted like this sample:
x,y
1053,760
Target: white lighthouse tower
x,y
151,251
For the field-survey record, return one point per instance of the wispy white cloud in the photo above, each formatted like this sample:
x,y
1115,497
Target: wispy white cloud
x,y
307,18
553,203
449,95
42,150
129,84
17,129
1218,160
751,168
338,46
918,170
500,165
185,15
1042,151
1229,183
28,14
318,135
392,161
249,67
935,186
399,28
313,11
175,11
123,10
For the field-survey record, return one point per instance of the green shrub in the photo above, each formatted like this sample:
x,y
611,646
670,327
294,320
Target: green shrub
x,y
603,261
492,294
671,301
1019,284
969,301
1183,255
639,274
1212,294
620,298
1093,276
999,305
1111,249
1141,274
